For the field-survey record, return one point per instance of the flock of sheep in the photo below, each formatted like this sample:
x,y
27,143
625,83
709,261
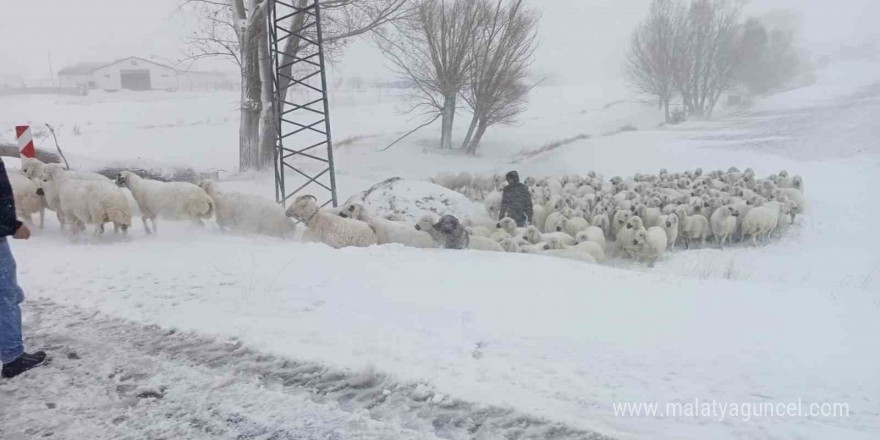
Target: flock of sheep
x,y
81,199
585,218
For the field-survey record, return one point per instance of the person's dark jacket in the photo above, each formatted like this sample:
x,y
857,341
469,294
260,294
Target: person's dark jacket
x,y
516,203
8,221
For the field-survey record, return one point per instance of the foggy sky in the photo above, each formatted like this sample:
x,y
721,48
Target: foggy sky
x,y
581,40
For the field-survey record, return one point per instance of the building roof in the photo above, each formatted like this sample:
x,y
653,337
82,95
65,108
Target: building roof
x,y
86,68
80,69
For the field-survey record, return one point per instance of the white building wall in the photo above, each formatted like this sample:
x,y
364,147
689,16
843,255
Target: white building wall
x,y
74,80
161,78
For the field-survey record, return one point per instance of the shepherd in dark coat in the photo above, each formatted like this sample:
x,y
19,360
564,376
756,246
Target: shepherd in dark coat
x,y
516,201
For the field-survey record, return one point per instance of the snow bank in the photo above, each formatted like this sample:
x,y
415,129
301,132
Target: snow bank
x,y
414,199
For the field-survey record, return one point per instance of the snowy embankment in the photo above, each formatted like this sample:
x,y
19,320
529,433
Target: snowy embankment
x,y
792,320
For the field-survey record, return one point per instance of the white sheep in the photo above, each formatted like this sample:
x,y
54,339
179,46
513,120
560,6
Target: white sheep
x,y
602,222
248,212
723,223
32,168
539,248
572,226
670,225
570,254
508,225
619,221
693,227
795,196
650,216
477,243
650,244
329,228
534,236
761,221
511,245
589,247
91,202
27,200
493,204
53,169
388,231
539,215
625,236
171,200
592,234
481,231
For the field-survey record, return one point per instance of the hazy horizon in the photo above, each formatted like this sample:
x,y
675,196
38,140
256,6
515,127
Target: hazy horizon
x,y
580,40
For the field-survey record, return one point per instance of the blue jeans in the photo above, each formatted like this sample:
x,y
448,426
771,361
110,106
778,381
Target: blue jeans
x,y
11,295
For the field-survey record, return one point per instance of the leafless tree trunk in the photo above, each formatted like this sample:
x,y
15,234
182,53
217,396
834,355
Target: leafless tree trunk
x,y
692,51
249,27
650,63
431,51
502,53
711,56
236,29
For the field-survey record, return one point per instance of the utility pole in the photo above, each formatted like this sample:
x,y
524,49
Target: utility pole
x,y
51,72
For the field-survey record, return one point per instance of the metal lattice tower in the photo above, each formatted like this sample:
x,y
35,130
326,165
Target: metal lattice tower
x,y
303,146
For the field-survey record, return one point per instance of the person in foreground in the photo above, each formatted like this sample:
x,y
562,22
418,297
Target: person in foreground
x,y
15,360
516,202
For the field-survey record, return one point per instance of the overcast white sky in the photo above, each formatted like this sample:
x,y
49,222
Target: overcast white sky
x,y
580,39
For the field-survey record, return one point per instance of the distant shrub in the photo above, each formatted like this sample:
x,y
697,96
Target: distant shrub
x,y
677,117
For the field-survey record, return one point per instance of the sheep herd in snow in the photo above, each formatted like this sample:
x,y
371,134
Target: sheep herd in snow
x,y
82,199
640,218
583,218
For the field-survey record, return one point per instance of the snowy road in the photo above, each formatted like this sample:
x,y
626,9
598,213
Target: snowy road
x,y
112,379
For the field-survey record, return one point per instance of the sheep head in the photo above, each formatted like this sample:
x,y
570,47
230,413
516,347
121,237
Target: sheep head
x,y
561,223
208,186
123,179
635,222
532,234
621,217
425,224
507,224
640,238
303,208
351,210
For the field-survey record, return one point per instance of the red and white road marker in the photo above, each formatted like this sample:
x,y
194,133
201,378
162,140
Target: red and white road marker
x,y
25,141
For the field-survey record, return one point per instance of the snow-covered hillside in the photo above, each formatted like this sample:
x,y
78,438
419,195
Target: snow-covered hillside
x,y
542,337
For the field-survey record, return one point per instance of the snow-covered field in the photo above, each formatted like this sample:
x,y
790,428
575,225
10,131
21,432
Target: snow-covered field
x,y
549,338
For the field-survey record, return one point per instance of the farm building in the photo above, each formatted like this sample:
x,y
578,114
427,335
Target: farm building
x,y
134,73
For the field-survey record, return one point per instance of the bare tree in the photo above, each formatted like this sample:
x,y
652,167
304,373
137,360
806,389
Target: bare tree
x,y
236,29
651,59
430,51
770,58
502,53
693,52
708,49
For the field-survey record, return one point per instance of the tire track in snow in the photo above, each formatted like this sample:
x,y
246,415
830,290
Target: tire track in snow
x,y
109,378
